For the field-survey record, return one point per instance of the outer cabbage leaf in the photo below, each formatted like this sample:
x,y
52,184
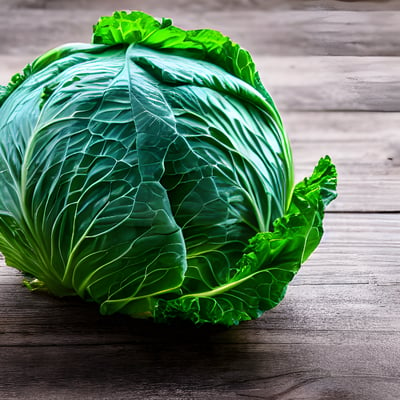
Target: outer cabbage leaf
x,y
268,264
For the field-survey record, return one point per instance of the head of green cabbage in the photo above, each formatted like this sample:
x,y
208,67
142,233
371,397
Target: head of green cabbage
x,y
150,172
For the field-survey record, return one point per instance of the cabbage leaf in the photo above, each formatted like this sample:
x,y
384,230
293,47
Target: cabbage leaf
x,y
150,172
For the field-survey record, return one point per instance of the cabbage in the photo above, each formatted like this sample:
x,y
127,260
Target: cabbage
x,y
150,172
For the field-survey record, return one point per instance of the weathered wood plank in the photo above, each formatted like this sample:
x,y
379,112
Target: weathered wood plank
x,y
356,248
365,148
299,33
332,83
201,371
290,33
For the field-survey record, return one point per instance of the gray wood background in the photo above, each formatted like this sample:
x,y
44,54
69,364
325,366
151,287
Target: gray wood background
x,y
333,68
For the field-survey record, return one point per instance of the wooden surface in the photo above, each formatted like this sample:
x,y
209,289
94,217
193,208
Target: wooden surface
x,y
333,68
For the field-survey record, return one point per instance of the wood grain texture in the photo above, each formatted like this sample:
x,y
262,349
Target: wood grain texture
x,y
318,83
182,371
333,68
365,148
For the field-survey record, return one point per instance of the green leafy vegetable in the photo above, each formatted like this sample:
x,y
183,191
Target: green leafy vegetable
x,y
150,172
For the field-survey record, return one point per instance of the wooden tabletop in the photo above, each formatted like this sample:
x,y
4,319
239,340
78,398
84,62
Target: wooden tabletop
x,y
333,68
